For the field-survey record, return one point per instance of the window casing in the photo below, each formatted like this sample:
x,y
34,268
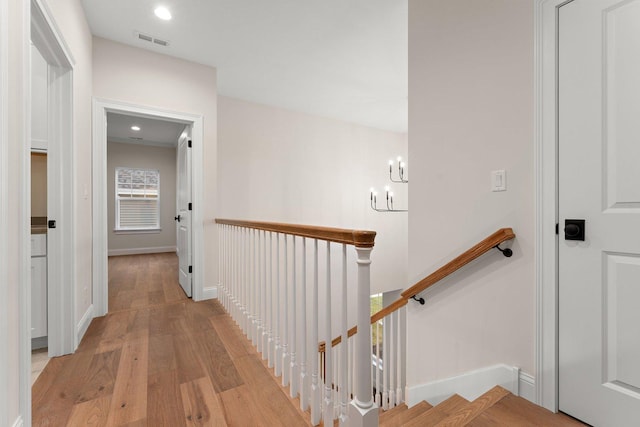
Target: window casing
x,y
137,199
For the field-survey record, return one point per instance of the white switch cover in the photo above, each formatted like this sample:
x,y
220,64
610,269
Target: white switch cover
x,y
498,180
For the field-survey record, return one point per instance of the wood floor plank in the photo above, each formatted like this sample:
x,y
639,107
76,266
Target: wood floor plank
x,y
91,413
164,400
201,405
216,361
240,409
439,412
129,402
235,343
100,377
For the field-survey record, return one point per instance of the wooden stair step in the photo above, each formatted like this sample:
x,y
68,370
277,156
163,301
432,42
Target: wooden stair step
x,y
403,416
438,412
468,413
385,416
512,410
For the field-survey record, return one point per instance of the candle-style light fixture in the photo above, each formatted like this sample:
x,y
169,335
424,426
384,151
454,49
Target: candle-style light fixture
x,y
389,200
373,195
401,166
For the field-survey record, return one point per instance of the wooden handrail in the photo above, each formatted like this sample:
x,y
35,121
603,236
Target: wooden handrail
x,y
484,246
460,261
357,238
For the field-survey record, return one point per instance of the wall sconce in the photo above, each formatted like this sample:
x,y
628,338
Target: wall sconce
x,y
389,197
401,166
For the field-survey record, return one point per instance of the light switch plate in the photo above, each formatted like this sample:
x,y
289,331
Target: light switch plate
x,y
498,180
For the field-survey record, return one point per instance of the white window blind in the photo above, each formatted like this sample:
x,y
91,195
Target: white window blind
x,y
137,199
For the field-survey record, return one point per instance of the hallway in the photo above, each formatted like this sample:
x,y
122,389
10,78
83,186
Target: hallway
x,y
160,359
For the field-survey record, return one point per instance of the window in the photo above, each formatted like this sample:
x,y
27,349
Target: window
x,y
137,199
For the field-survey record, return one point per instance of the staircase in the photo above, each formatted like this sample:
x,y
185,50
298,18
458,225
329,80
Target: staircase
x,y
497,407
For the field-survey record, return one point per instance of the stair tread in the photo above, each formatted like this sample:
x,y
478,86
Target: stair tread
x,y
466,414
403,416
513,410
438,412
385,416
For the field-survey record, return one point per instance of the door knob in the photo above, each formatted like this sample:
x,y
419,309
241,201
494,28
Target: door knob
x,y
574,229
177,218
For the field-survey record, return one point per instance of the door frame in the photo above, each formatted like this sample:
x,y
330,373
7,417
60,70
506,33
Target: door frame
x,y
100,225
546,199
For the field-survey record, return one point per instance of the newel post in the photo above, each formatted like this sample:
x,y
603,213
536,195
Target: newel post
x,y
363,412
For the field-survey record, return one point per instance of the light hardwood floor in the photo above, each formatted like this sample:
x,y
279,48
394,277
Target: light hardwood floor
x,y
160,359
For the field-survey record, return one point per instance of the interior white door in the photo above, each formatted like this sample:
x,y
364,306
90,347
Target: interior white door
x,y
183,217
599,181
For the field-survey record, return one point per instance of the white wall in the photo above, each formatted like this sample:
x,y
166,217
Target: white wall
x,y
470,112
284,166
127,74
143,157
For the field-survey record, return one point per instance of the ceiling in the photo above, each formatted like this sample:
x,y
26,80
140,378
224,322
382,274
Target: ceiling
x,y
344,59
152,132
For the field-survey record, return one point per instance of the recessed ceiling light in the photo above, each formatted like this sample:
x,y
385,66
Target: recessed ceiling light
x,y
162,13
135,128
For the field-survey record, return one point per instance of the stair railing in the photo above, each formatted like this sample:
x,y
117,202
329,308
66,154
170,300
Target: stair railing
x,y
263,286
388,373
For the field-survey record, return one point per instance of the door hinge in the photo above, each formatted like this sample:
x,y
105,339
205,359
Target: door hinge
x,y
190,206
191,269
557,228
189,144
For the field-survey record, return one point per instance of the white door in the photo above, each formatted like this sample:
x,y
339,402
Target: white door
x,y
599,181
184,206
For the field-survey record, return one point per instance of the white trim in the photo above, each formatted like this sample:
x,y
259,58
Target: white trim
x,y
210,292
527,387
545,158
83,325
99,164
138,251
4,219
138,231
50,35
18,422
469,385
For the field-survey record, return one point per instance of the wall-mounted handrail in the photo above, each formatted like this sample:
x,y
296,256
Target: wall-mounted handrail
x,y
357,238
460,261
491,242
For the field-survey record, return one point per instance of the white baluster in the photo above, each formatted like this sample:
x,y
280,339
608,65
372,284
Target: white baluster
x,y
304,376
363,411
258,292
315,386
392,355
344,346
265,317
294,383
378,390
242,290
385,364
277,370
399,357
328,392
270,342
285,328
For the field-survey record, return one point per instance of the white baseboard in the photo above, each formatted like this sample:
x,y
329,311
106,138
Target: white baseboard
x,y
18,422
83,325
470,385
138,251
210,292
527,387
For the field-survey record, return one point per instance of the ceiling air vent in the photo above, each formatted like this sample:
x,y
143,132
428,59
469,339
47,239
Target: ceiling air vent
x,y
151,39
137,138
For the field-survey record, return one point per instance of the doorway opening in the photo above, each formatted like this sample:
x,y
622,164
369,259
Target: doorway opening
x,y
124,223
143,175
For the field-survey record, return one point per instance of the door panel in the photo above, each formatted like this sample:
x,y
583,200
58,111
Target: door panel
x,y
183,223
599,181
